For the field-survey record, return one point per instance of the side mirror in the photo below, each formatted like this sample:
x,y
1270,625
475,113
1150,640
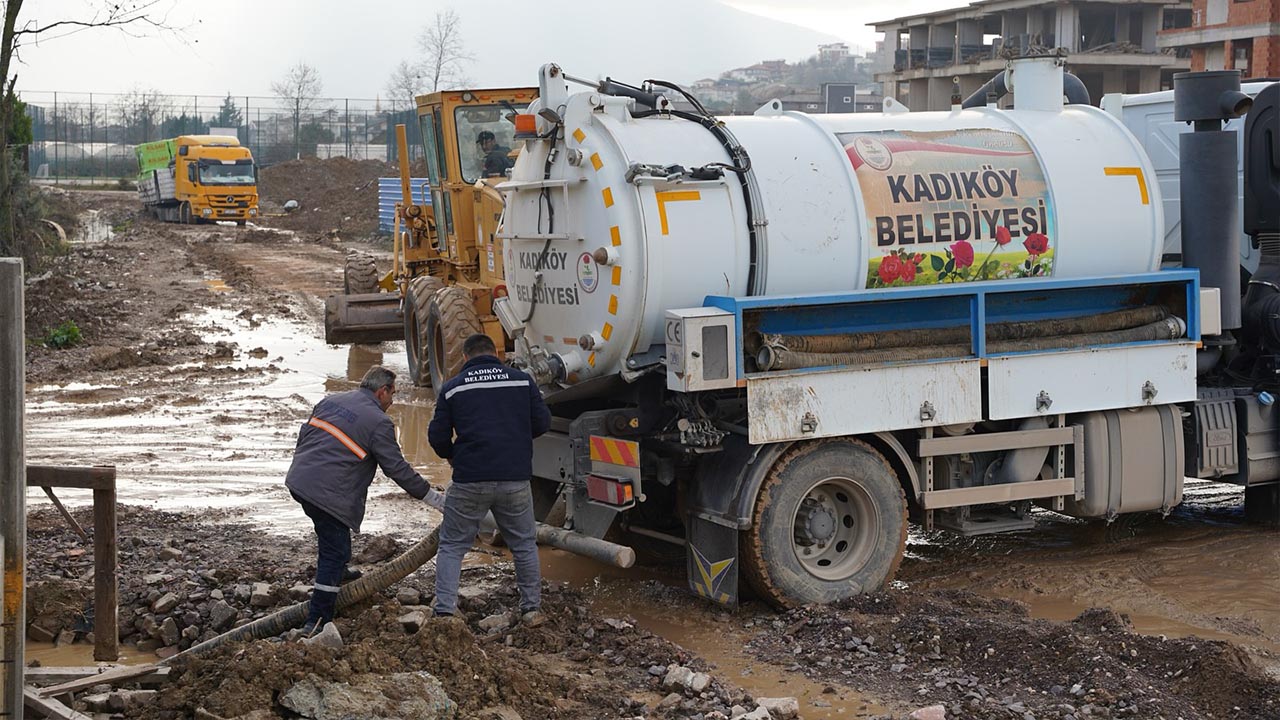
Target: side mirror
x,y
191,173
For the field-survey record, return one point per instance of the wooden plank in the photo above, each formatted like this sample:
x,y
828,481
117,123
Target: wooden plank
x,y
88,478
111,677
990,442
45,707
65,515
55,675
987,494
106,602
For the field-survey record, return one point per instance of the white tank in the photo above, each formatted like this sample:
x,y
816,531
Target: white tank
x,y
600,243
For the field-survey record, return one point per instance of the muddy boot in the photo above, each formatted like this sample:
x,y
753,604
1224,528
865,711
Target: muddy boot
x,y
350,575
321,611
532,618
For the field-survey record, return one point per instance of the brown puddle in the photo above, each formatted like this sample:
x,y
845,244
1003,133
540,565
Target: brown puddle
x,y
79,655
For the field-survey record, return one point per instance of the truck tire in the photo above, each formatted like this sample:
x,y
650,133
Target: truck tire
x,y
417,302
451,319
359,275
830,522
184,213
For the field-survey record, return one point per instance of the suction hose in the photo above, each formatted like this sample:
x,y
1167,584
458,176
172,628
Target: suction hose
x,y
350,594
772,357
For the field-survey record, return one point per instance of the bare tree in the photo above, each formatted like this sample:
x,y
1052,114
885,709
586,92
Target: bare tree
x,y
141,111
407,81
131,17
445,55
300,89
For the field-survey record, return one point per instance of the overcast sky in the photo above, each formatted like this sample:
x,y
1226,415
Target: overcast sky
x,y
241,46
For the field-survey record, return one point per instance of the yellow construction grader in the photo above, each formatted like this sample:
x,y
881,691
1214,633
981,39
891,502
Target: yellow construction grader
x,y
447,267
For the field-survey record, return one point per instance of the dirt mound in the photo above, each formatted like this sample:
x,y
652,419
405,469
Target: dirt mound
x,y
335,194
987,658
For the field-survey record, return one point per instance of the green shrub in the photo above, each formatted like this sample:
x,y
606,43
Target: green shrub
x,y
63,336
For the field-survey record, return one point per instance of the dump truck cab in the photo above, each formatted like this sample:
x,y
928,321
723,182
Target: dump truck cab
x,y
198,178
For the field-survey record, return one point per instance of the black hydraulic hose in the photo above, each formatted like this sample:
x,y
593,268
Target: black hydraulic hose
x,y
1014,330
350,594
1072,86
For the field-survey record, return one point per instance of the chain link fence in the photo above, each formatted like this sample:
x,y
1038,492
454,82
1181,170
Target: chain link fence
x,y
93,135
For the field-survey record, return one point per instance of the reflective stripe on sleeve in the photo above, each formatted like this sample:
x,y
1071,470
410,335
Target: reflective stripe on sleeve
x,y
487,385
341,436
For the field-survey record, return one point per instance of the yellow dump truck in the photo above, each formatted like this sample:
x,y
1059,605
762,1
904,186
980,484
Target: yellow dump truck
x,y
198,178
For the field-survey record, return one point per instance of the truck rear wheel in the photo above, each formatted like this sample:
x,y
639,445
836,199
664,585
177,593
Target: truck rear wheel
x,y
830,522
451,319
359,275
417,302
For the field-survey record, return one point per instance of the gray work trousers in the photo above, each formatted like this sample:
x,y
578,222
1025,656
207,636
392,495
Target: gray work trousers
x,y
465,505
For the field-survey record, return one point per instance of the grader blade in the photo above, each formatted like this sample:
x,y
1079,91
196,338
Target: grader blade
x,y
371,318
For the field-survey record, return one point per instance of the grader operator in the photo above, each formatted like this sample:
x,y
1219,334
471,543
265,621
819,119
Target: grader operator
x,y
448,265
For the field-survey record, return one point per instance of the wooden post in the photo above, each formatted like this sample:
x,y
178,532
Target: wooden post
x,y
106,606
13,487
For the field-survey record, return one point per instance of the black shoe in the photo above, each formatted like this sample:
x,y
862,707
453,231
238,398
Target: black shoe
x,y
349,576
311,629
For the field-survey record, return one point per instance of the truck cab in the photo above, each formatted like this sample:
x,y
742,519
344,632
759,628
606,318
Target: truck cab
x,y
198,178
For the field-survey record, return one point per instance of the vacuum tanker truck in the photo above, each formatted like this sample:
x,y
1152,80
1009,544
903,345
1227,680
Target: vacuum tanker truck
x,y
771,341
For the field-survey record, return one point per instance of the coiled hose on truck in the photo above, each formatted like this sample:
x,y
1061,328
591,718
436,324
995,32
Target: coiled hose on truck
x,y
350,594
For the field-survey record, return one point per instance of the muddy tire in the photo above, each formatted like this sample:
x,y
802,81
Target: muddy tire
x,y
417,304
830,522
451,319
184,213
359,275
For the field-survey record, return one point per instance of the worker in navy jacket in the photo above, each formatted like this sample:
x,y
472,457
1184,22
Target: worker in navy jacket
x,y
346,438
485,421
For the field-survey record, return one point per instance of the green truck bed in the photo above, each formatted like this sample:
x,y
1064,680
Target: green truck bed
x,y
155,155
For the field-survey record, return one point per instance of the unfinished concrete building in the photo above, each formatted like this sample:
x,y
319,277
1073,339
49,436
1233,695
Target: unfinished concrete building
x,y
1111,45
1239,35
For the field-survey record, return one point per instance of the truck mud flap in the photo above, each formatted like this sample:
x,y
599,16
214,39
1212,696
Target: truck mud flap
x,y
713,561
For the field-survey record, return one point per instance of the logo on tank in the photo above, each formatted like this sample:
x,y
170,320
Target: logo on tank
x,y
588,273
873,152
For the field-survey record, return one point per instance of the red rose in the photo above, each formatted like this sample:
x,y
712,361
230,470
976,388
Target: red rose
x,y
1036,244
1002,236
908,273
962,251
890,269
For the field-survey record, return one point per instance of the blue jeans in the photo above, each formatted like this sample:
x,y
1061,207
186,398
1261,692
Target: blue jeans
x,y
465,506
334,541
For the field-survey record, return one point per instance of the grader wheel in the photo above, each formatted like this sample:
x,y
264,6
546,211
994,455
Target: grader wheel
x,y
359,275
830,522
451,319
417,302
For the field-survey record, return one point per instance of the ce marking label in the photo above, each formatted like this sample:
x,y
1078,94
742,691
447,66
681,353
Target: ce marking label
x,y
674,332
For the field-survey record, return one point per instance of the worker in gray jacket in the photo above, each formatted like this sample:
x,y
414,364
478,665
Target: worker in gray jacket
x,y
347,435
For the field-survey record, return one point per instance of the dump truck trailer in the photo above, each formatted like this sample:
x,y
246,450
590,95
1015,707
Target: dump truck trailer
x,y
769,342
198,178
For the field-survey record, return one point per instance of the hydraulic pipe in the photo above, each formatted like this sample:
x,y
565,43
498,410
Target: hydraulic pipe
x,y
13,487
402,148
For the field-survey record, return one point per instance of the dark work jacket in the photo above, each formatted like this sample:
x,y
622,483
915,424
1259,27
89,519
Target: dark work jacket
x,y
330,473
485,422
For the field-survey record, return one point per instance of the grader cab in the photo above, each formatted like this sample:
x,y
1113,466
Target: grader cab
x,y
447,266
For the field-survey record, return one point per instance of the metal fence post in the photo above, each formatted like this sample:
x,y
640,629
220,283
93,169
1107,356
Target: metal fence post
x,y
13,485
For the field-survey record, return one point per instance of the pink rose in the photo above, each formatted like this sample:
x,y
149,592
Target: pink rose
x,y
1002,236
962,251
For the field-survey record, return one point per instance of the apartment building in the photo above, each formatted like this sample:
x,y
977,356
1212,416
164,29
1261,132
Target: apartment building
x,y
1113,46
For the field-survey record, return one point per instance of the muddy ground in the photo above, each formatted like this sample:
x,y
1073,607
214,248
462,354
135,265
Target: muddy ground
x,y
202,353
